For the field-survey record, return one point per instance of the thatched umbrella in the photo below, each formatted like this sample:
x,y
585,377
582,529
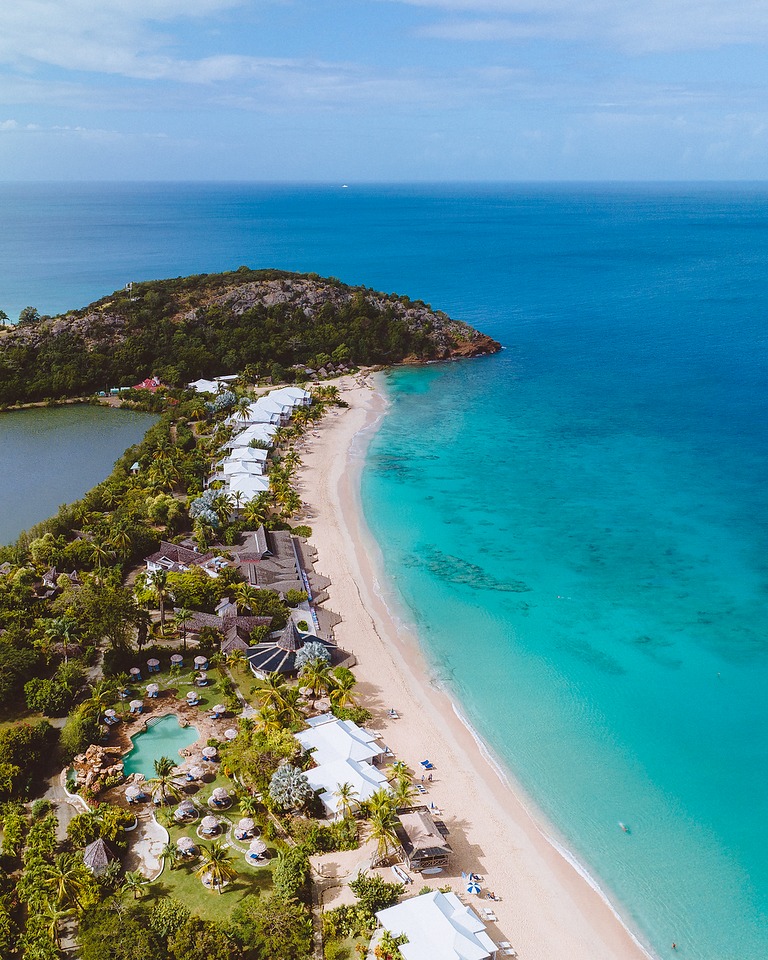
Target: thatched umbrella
x,y
135,673
186,846
210,753
191,696
230,734
219,708
220,797
177,660
195,773
257,848
209,825
244,827
153,689
97,856
201,663
185,811
153,664
201,679
136,706
134,792
110,713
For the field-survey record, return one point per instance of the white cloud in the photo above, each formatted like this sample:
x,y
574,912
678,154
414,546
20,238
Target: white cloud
x,y
637,26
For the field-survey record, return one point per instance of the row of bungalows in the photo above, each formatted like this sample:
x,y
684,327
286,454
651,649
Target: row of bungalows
x,y
243,467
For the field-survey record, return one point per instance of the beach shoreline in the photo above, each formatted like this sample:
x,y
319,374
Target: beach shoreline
x,y
549,906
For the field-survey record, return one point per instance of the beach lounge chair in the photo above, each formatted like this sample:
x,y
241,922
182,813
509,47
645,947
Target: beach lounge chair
x,y
489,914
427,764
420,787
506,948
393,714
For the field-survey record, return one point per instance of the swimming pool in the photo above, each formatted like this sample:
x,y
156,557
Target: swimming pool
x,y
163,739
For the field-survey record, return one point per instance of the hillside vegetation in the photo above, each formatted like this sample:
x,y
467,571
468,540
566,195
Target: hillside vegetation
x,y
273,322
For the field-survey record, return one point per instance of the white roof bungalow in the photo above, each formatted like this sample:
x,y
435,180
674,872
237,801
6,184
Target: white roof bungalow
x,y
211,386
365,780
331,739
248,455
344,753
438,927
275,408
251,414
247,486
257,431
252,468
293,395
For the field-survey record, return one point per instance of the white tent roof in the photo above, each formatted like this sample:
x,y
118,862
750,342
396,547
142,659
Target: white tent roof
x,y
365,780
438,927
339,740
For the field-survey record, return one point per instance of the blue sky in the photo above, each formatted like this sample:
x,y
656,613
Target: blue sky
x,y
372,90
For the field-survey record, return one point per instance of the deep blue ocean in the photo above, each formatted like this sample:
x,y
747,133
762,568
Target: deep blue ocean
x,y
580,533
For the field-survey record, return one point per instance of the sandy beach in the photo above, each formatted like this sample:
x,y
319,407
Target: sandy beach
x,y
547,909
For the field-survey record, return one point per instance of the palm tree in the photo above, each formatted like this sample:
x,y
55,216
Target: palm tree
x,y
135,881
67,877
315,675
380,801
291,709
169,855
236,658
249,805
102,694
383,823
347,797
62,630
403,792
268,719
100,554
216,864
245,595
223,505
164,787
54,916
181,620
161,592
272,694
343,682
257,510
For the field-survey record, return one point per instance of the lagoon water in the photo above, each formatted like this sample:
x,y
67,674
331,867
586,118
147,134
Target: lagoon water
x,y
580,532
51,456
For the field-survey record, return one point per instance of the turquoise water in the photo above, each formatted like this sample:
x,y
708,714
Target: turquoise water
x,y
51,456
581,525
163,739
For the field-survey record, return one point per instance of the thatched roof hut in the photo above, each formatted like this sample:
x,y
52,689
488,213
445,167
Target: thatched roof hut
x,y
97,856
422,839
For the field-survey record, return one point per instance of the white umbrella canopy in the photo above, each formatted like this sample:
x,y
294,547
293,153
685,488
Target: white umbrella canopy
x,y
209,752
220,793
185,845
133,791
191,695
230,734
246,825
176,658
209,825
136,704
153,662
195,772
135,672
201,661
110,713
219,708
257,847
153,688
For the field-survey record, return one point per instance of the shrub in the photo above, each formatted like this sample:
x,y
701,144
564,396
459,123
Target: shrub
x,y
289,788
291,874
294,597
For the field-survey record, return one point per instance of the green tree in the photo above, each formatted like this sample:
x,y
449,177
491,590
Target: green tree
x,y
202,940
216,864
136,882
291,874
273,928
373,893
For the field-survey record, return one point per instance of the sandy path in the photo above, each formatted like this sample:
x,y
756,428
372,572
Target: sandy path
x,y
547,910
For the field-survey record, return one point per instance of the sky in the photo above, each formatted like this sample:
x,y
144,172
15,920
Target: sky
x,y
383,90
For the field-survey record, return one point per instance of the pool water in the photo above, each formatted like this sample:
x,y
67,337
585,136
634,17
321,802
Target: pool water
x,y
163,739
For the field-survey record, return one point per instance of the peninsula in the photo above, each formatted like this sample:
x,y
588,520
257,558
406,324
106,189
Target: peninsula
x,y
267,323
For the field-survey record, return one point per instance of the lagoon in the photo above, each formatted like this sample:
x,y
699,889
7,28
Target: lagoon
x,y
51,456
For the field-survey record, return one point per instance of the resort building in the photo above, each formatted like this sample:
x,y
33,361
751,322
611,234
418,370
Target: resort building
x,y
97,856
344,753
174,558
438,927
422,839
212,386
278,654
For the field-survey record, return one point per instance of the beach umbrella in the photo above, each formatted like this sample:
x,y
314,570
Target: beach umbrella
x,y
135,705
473,887
153,663
191,695
135,673
153,689
220,794
219,708
246,825
176,660
209,752
185,810
257,848
322,704
201,662
209,825
230,734
110,713
194,773
185,845
133,791
306,692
